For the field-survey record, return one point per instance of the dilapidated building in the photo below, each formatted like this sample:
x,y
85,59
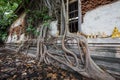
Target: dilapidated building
x,y
96,19
88,7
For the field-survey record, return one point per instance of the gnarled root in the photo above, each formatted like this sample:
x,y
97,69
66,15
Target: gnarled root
x,y
80,60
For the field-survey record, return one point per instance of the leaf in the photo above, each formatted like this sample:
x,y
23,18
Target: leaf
x,y
46,24
54,76
49,75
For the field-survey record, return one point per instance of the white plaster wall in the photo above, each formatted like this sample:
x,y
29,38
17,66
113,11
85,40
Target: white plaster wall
x,y
102,19
53,28
9,39
14,38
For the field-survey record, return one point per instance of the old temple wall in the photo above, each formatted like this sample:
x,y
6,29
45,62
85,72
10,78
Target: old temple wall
x,y
102,19
17,29
98,24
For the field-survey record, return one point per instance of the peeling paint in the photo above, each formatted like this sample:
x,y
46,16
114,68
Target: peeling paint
x,y
17,29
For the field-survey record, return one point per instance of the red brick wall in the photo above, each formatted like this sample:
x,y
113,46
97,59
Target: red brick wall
x,y
88,5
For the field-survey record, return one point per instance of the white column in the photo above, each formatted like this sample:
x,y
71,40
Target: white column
x,y
79,16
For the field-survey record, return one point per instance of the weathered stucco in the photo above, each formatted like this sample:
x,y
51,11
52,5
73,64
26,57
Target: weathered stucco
x,y
17,30
102,19
53,29
19,21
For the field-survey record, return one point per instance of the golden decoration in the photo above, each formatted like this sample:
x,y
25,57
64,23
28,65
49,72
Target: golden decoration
x,y
115,33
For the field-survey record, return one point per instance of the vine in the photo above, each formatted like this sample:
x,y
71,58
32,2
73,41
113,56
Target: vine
x,y
34,18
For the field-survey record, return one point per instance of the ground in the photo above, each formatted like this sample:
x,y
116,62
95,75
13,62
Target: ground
x,y
21,67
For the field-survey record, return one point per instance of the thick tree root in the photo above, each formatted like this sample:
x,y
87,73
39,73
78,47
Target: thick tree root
x,y
79,61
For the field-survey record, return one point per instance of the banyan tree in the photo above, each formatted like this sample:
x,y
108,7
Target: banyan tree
x,y
61,47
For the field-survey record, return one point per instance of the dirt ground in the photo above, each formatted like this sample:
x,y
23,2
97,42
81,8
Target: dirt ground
x,y
21,67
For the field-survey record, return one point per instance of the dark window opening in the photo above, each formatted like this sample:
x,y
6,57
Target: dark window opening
x,y
73,17
73,26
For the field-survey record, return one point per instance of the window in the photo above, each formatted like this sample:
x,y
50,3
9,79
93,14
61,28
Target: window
x,y
73,17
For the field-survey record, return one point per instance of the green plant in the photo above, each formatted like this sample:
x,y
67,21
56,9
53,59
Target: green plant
x,y
36,16
32,30
7,15
46,23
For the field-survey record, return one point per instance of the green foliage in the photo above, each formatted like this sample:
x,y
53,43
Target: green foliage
x,y
46,23
3,35
35,17
32,30
38,15
7,16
